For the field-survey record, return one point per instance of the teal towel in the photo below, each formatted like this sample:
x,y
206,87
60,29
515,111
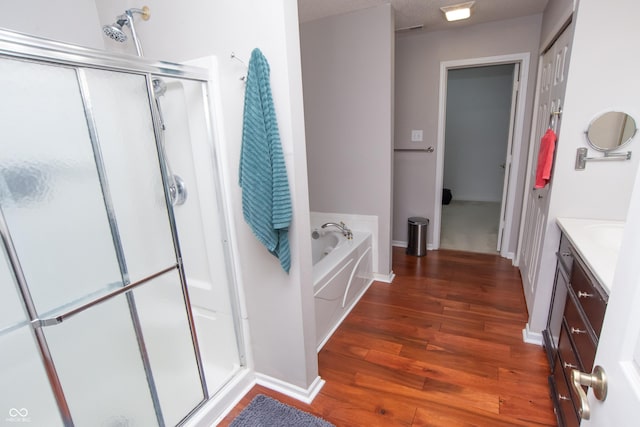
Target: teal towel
x,y
266,202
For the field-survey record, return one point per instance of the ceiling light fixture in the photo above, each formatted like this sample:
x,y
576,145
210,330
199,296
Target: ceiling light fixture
x,y
457,12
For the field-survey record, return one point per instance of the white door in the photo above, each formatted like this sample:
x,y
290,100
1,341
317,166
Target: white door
x,y
619,345
551,88
508,159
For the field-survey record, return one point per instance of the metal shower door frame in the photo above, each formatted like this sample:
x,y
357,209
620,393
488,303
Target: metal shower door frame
x,y
18,46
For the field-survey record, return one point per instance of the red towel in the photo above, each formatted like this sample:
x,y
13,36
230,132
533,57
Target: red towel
x,y
545,158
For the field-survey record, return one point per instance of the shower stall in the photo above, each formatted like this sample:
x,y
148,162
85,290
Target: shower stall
x,y
117,294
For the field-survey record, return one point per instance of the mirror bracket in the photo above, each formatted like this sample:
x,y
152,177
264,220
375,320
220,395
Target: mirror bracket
x,y
581,157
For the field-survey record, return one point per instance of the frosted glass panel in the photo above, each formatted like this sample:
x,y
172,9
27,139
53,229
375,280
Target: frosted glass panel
x,y
190,152
100,367
200,224
11,309
166,332
25,395
124,126
49,187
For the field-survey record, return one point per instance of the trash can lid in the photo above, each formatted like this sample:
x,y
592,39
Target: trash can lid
x,y
419,220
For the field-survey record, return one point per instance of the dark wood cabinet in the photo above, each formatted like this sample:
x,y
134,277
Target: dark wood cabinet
x,y
575,319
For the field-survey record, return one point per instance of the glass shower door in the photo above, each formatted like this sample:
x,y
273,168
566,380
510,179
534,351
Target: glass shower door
x,y
82,198
25,394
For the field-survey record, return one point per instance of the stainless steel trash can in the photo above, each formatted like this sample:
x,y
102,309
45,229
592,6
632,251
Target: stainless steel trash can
x,y
417,242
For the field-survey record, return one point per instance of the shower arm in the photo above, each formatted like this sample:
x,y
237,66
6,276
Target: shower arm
x,y
129,14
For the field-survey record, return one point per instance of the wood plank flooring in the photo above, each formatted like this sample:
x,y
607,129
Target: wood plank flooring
x,y
441,346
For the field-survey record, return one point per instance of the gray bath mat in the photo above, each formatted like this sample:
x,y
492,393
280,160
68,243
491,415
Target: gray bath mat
x,y
264,411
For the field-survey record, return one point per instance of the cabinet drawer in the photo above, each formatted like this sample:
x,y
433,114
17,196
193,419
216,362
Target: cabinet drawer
x,y
568,357
569,360
563,402
589,297
577,330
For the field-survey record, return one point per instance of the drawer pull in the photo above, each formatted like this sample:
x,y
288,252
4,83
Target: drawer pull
x,y
584,295
566,254
569,365
577,331
561,397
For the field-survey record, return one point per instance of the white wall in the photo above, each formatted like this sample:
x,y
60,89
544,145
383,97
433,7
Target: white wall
x,y
347,63
602,76
477,131
418,58
69,21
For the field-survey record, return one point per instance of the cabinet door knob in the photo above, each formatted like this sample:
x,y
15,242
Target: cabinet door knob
x,y
577,331
584,295
597,381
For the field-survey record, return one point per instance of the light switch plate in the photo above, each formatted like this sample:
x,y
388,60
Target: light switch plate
x,y
416,136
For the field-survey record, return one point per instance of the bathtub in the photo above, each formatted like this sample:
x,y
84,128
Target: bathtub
x,y
342,272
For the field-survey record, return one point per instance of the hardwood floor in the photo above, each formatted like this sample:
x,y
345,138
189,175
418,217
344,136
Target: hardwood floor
x,y
441,346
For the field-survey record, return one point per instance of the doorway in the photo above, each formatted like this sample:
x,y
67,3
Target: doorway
x,y
478,119
480,132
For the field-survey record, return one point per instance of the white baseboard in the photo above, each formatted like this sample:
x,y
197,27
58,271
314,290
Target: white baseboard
x,y
214,411
402,244
386,278
531,337
304,395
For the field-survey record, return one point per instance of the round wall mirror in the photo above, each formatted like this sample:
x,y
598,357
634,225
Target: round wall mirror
x,y
611,131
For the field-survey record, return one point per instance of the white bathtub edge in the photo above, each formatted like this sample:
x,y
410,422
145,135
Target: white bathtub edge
x,y
326,265
304,395
344,316
366,223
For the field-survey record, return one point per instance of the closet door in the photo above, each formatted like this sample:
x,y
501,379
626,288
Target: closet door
x,y
552,84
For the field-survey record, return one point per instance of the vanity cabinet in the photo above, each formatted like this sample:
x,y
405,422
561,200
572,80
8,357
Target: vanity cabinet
x,y
575,320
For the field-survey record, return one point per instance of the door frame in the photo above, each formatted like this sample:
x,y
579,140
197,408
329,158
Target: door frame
x,y
518,137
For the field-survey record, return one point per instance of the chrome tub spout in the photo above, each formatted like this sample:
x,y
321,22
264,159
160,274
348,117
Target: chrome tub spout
x,y
346,232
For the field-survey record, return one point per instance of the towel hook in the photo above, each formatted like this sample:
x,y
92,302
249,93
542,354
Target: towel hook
x,y
553,118
234,56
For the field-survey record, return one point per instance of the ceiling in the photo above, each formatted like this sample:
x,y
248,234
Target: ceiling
x,y
410,13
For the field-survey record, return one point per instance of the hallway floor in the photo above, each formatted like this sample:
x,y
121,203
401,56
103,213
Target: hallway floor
x,y
441,346
470,226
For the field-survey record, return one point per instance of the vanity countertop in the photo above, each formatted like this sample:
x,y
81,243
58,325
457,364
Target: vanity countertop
x,y
598,243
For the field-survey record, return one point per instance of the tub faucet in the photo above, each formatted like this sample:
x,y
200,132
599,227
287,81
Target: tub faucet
x,y
342,227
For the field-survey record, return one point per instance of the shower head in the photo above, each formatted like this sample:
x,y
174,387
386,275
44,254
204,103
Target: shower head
x,y
159,87
114,31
